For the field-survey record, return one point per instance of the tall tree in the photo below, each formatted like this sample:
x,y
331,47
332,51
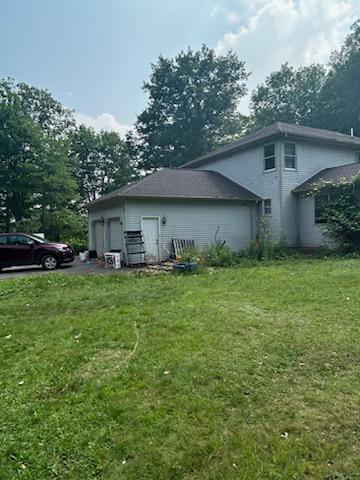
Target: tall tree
x,y
101,162
289,95
341,93
34,174
192,107
39,105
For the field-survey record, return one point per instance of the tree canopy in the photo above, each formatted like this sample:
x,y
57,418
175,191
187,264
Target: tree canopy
x,y
289,95
314,95
100,162
192,107
341,94
49,167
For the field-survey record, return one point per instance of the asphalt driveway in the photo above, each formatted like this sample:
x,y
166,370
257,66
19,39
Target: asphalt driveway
x,y
74,268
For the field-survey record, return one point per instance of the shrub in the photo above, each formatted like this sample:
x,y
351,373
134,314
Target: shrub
x,y
219,255
264,248
341,212
78,244
189,255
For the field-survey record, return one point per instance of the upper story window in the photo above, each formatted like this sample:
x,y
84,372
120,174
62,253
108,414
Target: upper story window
x,y
269,157
290,156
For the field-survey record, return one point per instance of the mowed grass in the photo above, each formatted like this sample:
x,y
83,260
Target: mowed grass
x,y
244,373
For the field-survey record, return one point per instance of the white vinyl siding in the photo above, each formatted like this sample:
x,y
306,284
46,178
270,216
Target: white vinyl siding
x,y
204,221
247,169
310,233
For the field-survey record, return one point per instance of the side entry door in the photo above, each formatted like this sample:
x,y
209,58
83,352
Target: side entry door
x,y
151,231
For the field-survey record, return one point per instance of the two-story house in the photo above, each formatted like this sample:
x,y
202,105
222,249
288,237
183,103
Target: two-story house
x,y
221,195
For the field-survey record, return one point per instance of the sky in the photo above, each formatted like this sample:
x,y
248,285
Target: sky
x,y
94,55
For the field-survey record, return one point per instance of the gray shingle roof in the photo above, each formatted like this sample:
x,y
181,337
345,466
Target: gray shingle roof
x,y
335,174
178,183
279,129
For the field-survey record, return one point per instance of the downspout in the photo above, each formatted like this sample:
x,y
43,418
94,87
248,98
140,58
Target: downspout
x,y
125,227
281,199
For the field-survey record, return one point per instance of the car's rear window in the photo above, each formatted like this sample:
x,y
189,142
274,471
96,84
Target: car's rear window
x,y
3,240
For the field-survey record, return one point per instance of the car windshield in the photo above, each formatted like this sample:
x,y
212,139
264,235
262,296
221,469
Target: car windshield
x,y
38,238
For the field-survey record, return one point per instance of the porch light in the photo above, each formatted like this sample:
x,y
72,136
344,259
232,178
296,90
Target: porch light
x,y
164,220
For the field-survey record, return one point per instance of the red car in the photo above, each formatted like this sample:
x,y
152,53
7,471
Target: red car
x,y
18,249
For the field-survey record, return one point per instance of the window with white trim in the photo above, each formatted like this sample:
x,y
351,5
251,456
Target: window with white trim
x,y
267,206
290,156
269,157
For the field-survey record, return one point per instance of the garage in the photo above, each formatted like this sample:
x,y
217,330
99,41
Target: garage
x,y
197,205
115,234
99,236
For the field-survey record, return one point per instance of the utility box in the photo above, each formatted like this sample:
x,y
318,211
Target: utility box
x,y
113,260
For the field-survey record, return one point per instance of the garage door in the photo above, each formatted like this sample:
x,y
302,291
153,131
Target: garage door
x,y
99,237
115,234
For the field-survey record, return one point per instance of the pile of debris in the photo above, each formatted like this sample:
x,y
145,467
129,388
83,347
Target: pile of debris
x,y
164,267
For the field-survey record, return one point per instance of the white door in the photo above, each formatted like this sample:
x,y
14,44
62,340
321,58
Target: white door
x,y
99,237
151,229
115,234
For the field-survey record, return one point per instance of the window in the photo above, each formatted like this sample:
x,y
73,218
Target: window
x,y
3,240
290,156
267,206
321,203
20,240
269,157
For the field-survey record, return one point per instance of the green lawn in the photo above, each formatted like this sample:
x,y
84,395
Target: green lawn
x,y
244,373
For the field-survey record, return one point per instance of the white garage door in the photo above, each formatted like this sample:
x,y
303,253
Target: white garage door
x,y
115,234
99,237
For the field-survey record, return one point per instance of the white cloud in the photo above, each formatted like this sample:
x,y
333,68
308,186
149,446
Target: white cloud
x,y
298,31
104,121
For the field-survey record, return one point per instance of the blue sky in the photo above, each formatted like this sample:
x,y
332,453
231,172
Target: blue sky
x,y
93,55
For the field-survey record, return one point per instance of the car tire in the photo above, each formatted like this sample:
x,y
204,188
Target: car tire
x,y
49,262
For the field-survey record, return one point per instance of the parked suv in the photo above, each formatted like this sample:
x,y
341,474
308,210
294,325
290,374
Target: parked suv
x,y
22,249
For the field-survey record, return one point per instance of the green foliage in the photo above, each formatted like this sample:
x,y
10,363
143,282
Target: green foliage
x,y
190,255
311,95
340,95
289,95
264,248
192,107
49,168
100,162
227,363
34,174
342,212
219,255
39,106
78,244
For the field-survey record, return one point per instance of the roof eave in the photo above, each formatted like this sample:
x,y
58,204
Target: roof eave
x,y
169,197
